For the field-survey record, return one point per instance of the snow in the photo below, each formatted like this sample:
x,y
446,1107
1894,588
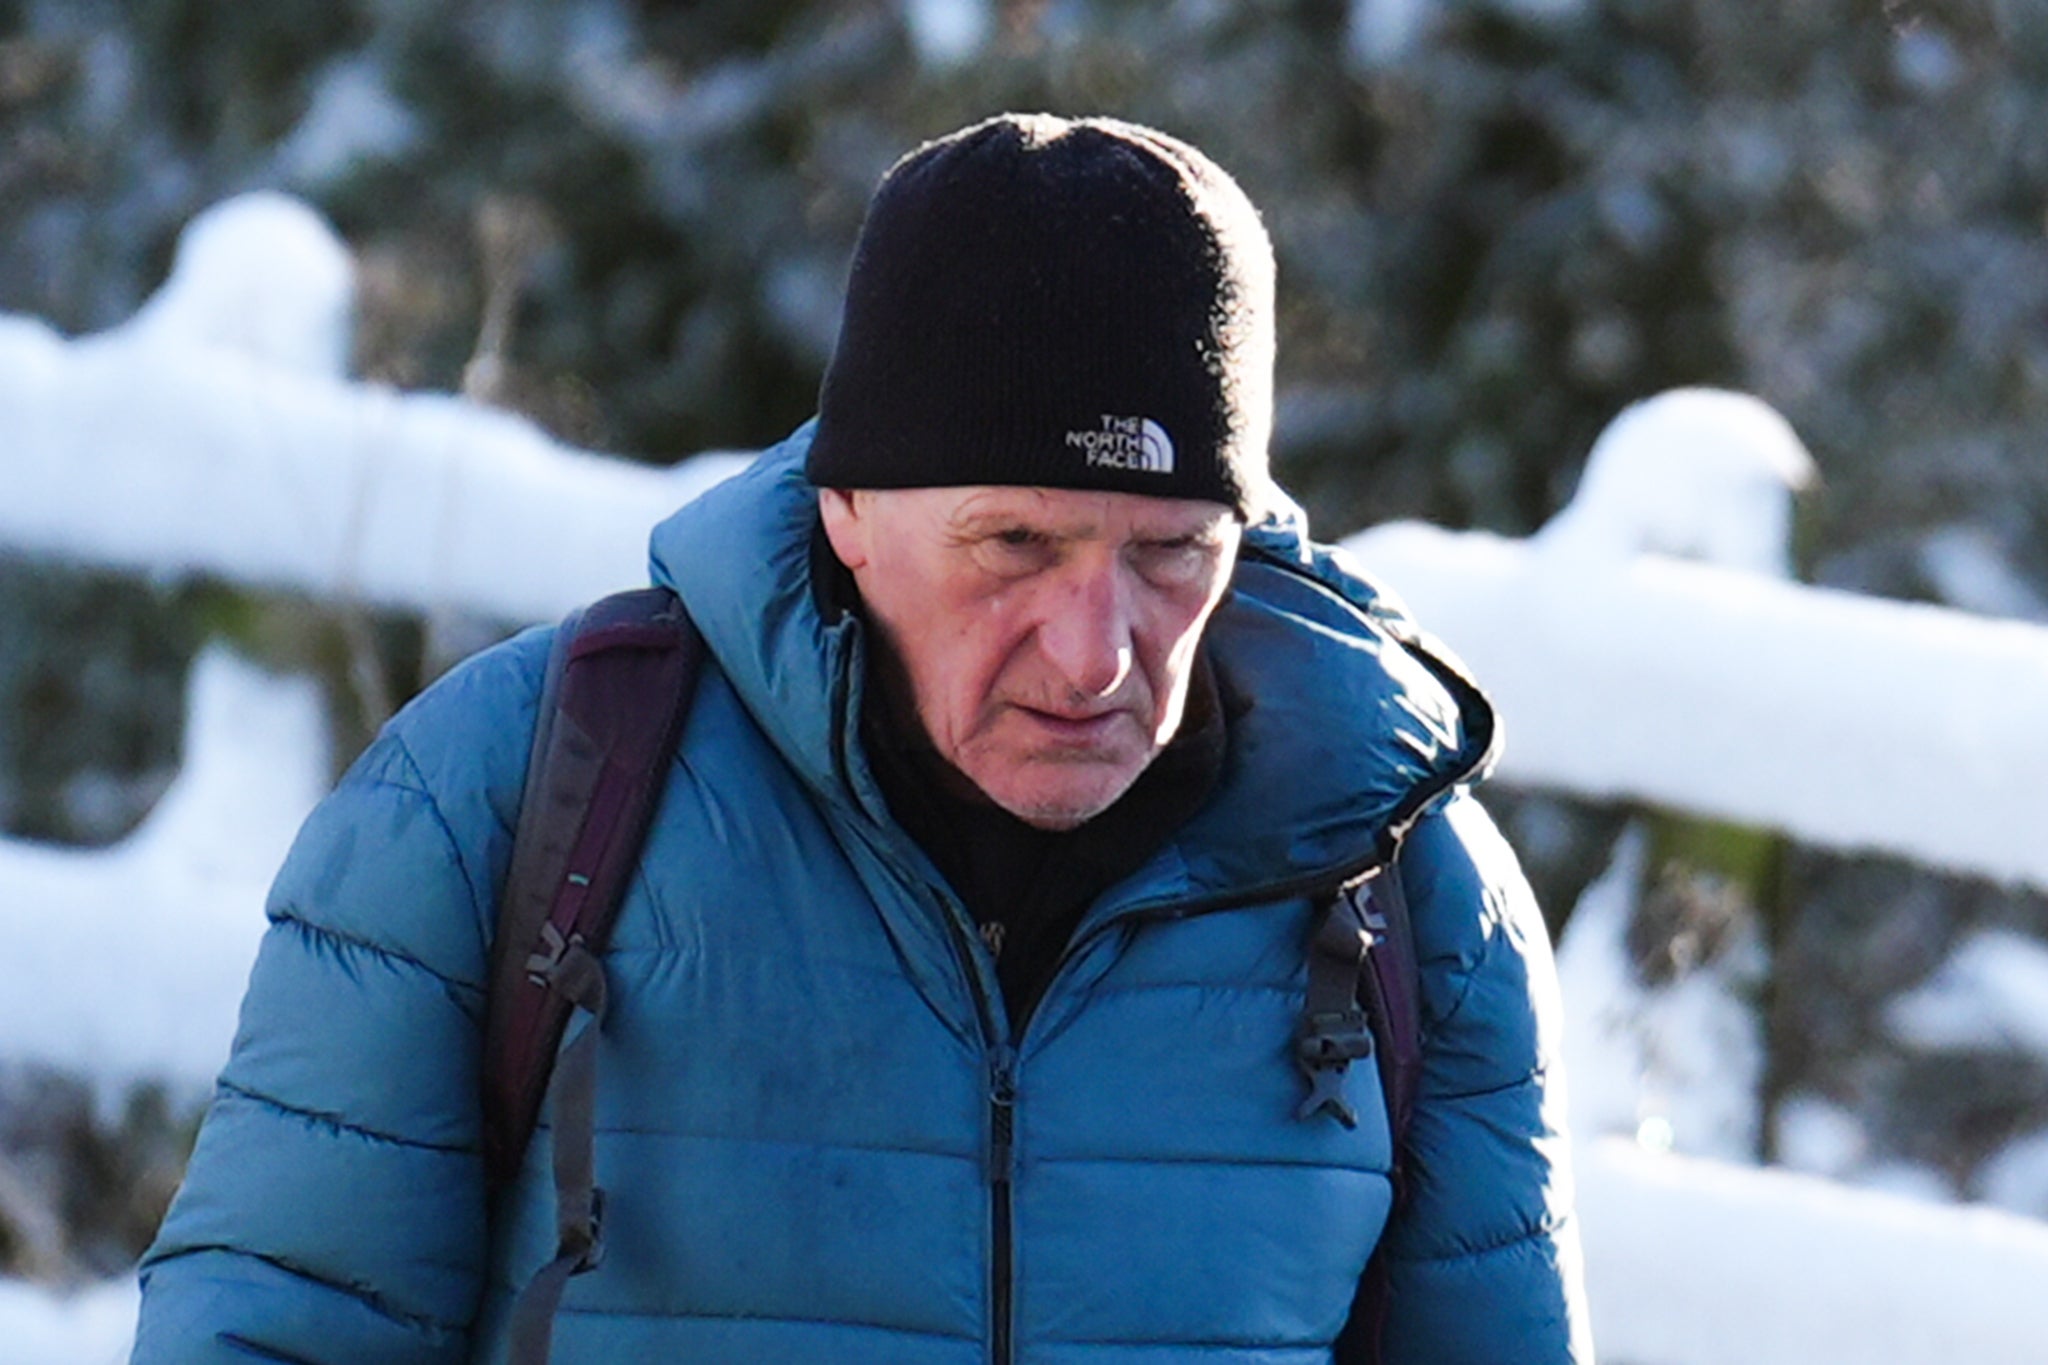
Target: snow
x,y
203,437
1696,687
1705,475
1693,473
353,118
1693,1262
92,1327
947,33
169,918
191,442
261,275
1969,570
1820,1138
1992,993
1678,1067
2017,1178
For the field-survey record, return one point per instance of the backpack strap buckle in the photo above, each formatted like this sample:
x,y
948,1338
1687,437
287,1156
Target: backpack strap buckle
x,y
1335,1030
1325,1045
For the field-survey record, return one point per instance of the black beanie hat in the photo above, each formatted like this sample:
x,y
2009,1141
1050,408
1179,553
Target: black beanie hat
x,y
1067,304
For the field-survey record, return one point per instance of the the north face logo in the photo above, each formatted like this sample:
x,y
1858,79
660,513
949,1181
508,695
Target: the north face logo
x,y
1125,443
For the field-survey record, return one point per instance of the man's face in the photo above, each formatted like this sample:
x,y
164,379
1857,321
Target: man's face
x,y
1047,635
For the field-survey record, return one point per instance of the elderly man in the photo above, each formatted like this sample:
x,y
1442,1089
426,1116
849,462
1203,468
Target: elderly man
x,y
953,1008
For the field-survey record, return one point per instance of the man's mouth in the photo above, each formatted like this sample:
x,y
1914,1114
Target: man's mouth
x,y
1075,728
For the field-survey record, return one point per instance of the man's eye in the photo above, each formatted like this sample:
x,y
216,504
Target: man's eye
x,y
1014,551
1175,548
1174,560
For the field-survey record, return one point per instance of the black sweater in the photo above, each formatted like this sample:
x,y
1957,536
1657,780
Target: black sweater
x,y
1026,887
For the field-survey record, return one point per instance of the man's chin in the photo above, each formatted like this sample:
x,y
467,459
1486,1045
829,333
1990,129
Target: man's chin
x,y
1066,797
1055,819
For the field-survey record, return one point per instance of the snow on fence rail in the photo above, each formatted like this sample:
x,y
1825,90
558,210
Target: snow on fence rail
x,y
120,452
179,444
215,434
1846,721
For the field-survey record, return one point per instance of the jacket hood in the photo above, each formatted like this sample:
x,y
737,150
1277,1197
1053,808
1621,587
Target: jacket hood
x,y
1345,722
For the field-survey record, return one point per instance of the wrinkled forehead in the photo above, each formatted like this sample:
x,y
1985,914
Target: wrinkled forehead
x,y
1060,513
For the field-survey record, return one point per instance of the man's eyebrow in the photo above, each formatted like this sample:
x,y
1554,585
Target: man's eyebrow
x,y
986,516
1206,532
994,521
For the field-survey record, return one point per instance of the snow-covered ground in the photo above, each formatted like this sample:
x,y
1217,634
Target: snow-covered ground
x,y
188,445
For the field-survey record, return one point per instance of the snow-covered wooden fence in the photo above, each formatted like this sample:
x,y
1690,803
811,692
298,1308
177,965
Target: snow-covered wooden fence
x,y
210,438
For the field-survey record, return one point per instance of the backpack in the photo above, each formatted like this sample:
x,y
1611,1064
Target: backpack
x,y
618,684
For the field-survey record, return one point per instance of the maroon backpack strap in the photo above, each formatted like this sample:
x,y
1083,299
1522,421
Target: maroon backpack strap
x,y
617,687
1365,999
1392,989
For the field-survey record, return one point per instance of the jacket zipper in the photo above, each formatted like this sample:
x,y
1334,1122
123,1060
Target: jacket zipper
x,y
1002,1097
1002,1112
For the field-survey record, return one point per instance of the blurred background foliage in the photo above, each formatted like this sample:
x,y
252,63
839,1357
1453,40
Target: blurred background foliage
x,y
1498,222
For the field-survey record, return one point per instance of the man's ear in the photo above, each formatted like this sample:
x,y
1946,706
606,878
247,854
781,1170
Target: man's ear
x,y
845,528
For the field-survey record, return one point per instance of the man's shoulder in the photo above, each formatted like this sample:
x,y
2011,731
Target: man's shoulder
x,y
476,720
1481,943
421,824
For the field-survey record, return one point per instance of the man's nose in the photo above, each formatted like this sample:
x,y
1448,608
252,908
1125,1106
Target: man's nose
x,y
1087,631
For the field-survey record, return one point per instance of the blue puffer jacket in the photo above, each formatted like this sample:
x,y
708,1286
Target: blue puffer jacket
x,y
806,1061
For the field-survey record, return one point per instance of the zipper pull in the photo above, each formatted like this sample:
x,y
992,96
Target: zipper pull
x,y
1002,1099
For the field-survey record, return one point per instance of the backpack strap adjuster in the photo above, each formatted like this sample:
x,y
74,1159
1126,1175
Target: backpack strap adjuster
x,y
592,1227
1333,1039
